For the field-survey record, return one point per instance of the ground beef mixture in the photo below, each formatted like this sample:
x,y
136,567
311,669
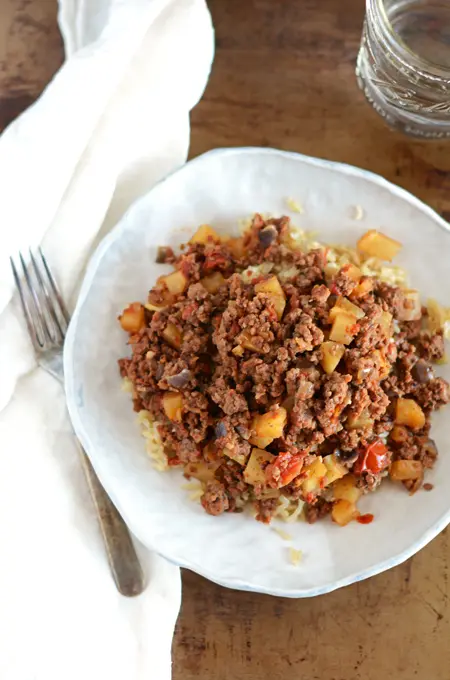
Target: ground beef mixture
x,y
271,376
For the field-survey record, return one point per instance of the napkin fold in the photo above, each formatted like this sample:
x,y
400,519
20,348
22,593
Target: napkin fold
x,y
114,120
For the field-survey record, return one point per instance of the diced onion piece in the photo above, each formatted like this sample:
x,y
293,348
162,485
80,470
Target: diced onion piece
x,y
409,413
240,458
344,328
213,282
238,351
154,308
385,322
265,494
201,470
436,316
330,355
363,420
172,405
288,403
245,340
172,335
344,305
363,288
205,234
412,308
272,288
335,469
175,282
403,470
345,489
375,244
254,472
314,476
343,512
132,318
269,425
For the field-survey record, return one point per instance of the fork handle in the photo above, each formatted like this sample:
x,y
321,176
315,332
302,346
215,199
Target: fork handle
x,y
122,557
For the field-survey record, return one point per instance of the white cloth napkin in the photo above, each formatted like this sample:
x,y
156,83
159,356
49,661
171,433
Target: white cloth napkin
x,y
114,120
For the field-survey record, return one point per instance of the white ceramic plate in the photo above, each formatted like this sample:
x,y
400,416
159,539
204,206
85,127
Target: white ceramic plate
x,y
234,550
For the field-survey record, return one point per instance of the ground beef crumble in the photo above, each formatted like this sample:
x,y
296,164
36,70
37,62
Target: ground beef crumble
x,y
210,359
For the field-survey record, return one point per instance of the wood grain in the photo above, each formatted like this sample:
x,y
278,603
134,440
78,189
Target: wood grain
x,y
284,77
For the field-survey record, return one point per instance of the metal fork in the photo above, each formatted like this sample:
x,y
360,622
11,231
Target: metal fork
x,y
47,320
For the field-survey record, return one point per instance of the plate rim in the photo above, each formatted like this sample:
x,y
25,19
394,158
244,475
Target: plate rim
x,y
88,280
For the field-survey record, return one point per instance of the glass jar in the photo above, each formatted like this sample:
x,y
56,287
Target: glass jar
x,y
403,65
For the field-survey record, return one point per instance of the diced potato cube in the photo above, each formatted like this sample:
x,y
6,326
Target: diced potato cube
x,y
344,305
375,244
352,271
132,318
205,234
402,470
213,282
201,470
344,512
363,288
363,420
172,405
331,354
272,288
278,303
175,282
344,328
172,335
270,424
409,413
345,489
335,469
399,434
260,442
436,316
314,476
236,245
254,472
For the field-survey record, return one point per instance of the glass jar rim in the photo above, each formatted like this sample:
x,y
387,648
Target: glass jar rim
x,y
376,11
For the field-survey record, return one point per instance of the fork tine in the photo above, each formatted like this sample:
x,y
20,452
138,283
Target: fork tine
x,y
48,299
52,281
28,317
36,302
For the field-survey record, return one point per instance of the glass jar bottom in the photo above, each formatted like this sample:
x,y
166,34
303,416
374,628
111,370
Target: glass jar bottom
x,y
408,122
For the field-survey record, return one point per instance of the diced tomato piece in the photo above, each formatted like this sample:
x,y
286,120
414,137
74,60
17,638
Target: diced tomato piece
x,y
215,259
172,462
365,519
373,458
284,469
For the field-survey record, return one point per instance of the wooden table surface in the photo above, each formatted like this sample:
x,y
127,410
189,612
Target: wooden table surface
x,y
284,77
